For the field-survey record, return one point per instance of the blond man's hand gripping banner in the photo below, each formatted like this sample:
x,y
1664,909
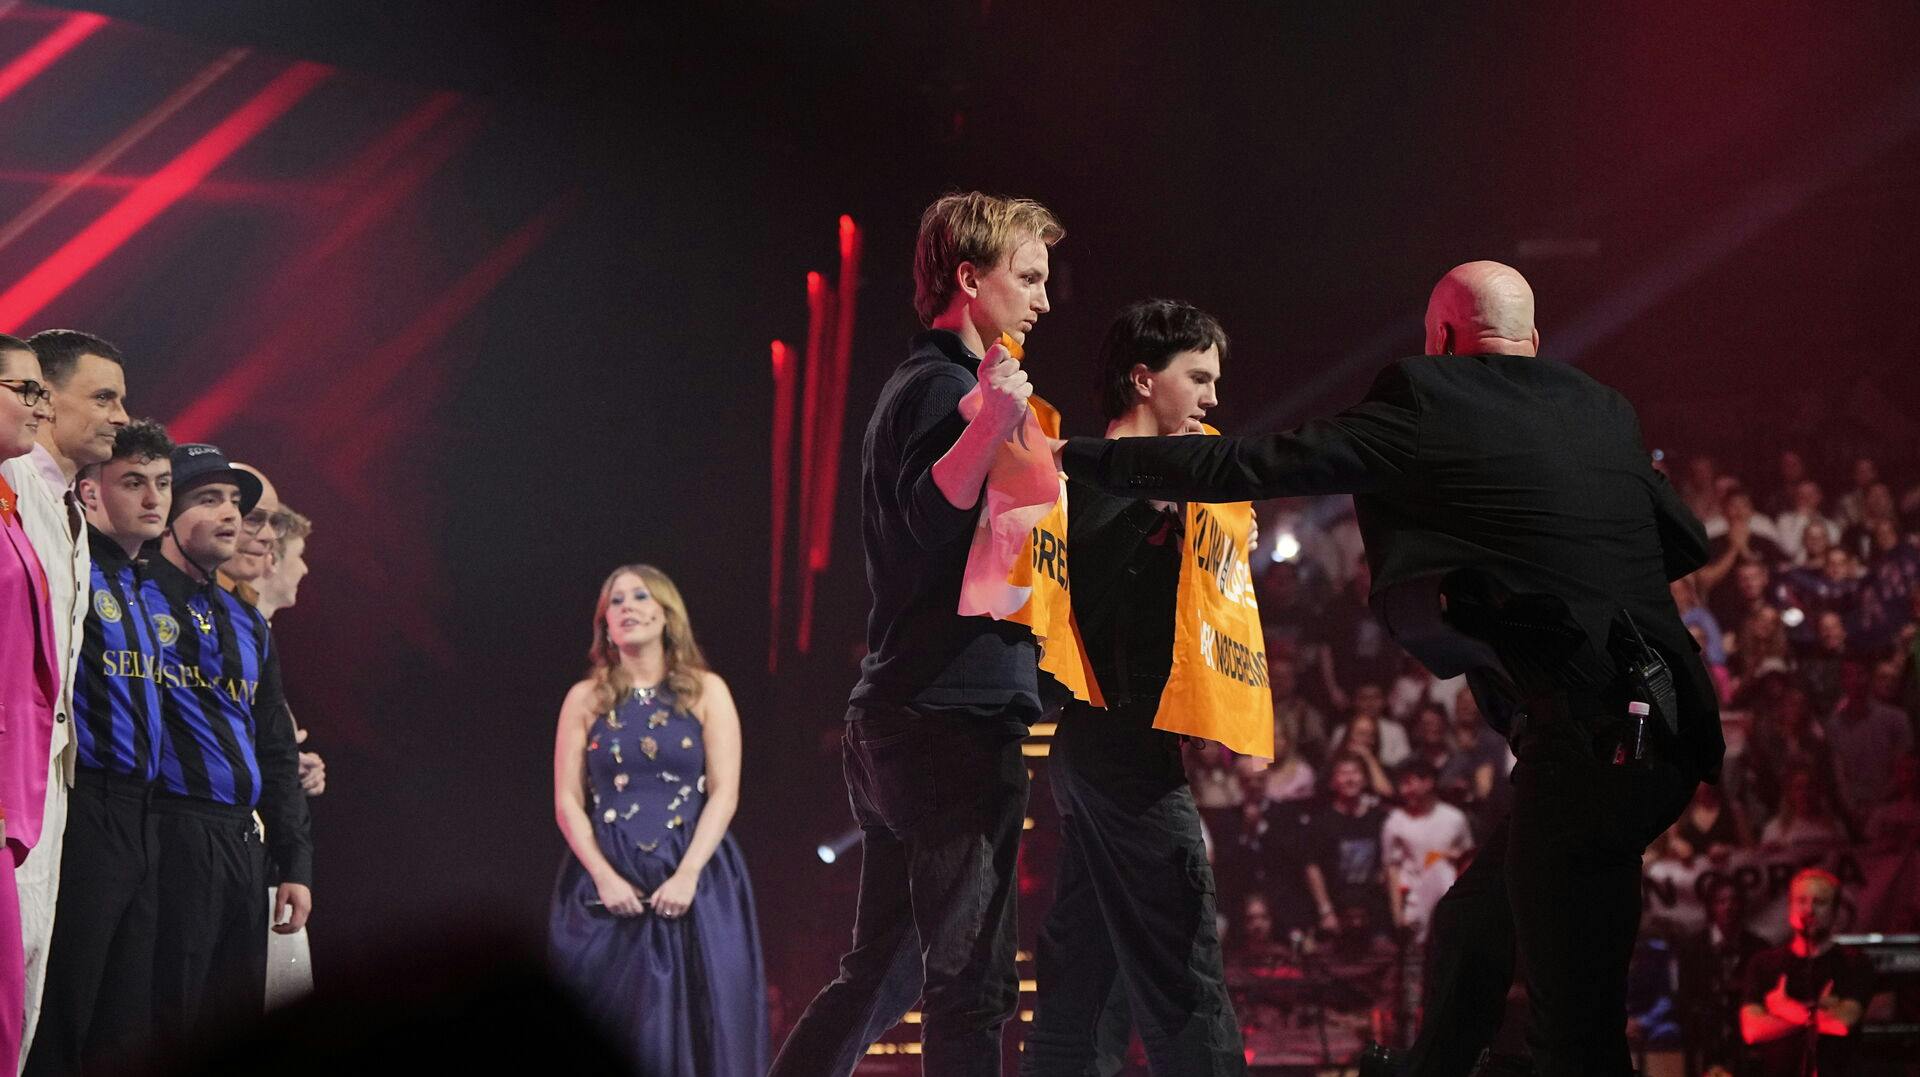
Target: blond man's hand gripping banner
x,y
1218,688
1017,566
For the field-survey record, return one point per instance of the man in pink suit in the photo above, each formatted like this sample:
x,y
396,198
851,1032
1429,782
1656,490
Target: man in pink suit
x,y
29,681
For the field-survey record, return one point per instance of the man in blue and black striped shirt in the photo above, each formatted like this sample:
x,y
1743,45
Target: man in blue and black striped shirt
x,y
97,1010
228,749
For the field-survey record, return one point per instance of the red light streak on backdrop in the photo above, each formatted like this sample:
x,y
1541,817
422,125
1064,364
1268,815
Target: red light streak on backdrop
x,y
79,255
27,66
823,414
90,171
784,372
819,314
833,427
294,287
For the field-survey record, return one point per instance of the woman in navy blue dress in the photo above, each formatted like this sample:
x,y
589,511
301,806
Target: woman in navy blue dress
x,y
653,921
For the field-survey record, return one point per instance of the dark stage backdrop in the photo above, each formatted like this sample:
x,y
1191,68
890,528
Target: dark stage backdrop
x,y
489,297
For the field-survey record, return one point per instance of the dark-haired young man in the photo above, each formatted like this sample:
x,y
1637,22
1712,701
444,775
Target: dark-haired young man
x,y
1133,909
89,406
98,1001
1518,533
228,748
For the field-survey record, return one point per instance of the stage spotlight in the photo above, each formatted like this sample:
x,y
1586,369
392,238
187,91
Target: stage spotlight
x,y
835,849
1285,547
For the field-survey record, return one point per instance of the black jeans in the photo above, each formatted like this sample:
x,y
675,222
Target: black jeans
x,y
1132,922
1558,881
941,802
98,1010
210,955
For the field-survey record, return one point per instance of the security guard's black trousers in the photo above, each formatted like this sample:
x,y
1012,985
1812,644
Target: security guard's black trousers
x,y
1133,909
1558,883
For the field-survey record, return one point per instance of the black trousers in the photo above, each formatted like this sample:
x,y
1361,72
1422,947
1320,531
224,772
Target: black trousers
x,y
210,960
940,802
1558,884
1132,926
97,1007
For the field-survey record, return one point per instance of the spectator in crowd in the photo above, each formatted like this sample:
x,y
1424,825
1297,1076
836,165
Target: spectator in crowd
x,y
1866,737
1416,686
1791,471
1804,816
1801,515
1803,1000
1475,775
1287,608
1353,646
1305,724
1709,827
1740,531
1699,486
1216,788
1361,738
1907,656
1893,573
1253,943
1431,736
1344,866
1787,740
1289,777
1424,843
1370,704
1263,853
1696,616
1830,586
1723,684
1876,508
1814,544
1740,596
1713,965
1894,824
1819,668
1762,647
1866,474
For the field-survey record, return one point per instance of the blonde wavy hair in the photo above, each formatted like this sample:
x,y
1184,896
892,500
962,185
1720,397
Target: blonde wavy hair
x,y
971,227
685,663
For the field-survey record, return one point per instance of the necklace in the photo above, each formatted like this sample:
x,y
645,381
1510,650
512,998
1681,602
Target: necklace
x,y
647,694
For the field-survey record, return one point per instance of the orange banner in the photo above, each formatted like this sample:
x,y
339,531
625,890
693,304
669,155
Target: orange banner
x,y
1218,687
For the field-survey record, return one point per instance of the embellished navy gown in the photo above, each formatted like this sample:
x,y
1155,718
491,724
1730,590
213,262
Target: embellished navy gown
x,y
687,997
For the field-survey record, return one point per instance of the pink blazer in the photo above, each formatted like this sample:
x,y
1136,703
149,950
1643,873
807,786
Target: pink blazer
x,y
29,683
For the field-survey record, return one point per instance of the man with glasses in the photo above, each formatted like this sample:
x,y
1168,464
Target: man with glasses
x,y
228,749
88,394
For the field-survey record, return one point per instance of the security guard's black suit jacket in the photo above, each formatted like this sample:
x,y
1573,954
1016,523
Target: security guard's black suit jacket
x,y
1523,469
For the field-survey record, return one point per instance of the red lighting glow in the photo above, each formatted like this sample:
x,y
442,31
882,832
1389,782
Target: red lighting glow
x,y
81,254
28,65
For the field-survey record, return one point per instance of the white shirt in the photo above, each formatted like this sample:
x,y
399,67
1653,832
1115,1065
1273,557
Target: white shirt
x,y
51,515
1394,745
1424,850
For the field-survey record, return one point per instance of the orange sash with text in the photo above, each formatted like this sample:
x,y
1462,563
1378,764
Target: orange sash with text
x,y
1218,687
1017,565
